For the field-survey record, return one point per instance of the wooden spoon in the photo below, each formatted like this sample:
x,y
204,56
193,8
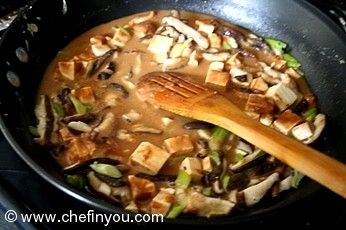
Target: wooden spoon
x,y
174,92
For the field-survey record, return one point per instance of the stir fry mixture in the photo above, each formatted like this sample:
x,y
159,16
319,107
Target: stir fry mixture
x,y
112,144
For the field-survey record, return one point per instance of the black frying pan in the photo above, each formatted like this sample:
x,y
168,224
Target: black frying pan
x,y
318,43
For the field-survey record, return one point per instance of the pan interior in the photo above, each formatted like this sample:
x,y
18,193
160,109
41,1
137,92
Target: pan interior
x,y
48,26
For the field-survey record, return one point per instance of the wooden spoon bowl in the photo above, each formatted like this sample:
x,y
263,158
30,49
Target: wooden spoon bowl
x,y
175,92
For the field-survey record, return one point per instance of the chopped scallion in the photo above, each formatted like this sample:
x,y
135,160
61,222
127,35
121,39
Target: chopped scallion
x,y
106,169
207,191
57,107
225,177
215,156
77,181
124,30
259,153
179,204
297,177
218,137
79,106
33,130
310,114
226,45
291,61
175,211
238,156
183,179
277,46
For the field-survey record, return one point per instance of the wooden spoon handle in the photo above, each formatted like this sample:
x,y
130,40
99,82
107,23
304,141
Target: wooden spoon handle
x,y
316,165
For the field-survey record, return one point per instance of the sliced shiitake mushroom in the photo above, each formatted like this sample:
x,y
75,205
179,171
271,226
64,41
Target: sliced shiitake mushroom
x,y
86,117
197,125
101,61
209,177
104,75
108,72
120,88
111,66
140,128
202,148
216,186
244,53
114,182
249,161
238,181
121,194
44,116
263,169
231,32
66,102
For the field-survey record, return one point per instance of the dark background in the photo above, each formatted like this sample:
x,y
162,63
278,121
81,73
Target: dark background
x,y
24,191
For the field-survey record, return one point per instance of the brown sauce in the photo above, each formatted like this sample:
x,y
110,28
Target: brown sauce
x,y
253,54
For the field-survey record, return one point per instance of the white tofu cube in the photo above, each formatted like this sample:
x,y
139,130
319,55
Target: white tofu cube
x,y
65,134
141,189
205,27
98,46
161,203
179,144
218,57
207,164
143,29
253,115
148,158
67,69
302,131
82,68
286,121
160,57
272,72
216,65
258,103
160,44
266,119
177,50
288,81
193,167
215,40
259,85
234,60
293,73
282,96
85,94
218,79
99,49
